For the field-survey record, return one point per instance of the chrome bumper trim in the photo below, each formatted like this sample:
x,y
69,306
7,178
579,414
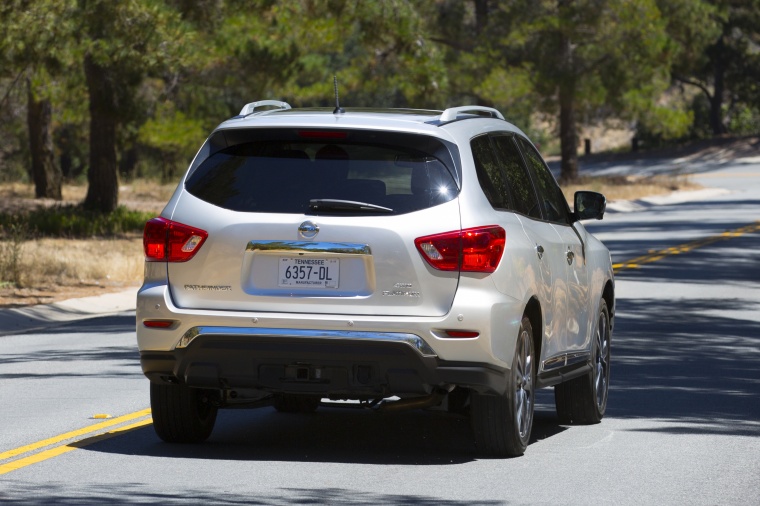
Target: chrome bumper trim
x,y
341,248
412,340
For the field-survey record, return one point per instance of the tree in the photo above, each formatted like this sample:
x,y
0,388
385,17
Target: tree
x,y
291,50
34,46
588,54
719,42
566,57
122,43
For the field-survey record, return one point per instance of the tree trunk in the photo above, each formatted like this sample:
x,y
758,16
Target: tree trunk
x,y
102,178
128,163
568,135
716,101
481,15
46,174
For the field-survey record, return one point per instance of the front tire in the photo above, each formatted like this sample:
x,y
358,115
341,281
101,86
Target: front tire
x,y
503,423
182,414
583,400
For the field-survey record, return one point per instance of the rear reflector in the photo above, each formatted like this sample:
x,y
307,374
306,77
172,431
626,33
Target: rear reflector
x,y
169,241
476,249
462,333
158,324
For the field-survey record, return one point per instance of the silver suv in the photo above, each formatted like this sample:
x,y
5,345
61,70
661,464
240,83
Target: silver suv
x,y
392,258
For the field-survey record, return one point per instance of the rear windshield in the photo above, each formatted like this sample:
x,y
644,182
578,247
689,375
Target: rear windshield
x,y
287,171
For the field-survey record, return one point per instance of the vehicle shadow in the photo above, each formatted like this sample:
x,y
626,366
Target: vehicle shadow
x,y
330,435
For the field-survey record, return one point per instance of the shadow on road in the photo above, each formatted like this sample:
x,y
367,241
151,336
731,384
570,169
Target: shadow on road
x,y
67,494
686,347
683,362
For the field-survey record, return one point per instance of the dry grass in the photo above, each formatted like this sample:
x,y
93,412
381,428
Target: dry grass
x,y
57,269
630,187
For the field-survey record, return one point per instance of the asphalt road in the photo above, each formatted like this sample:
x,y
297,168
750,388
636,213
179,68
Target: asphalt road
x,y
682,426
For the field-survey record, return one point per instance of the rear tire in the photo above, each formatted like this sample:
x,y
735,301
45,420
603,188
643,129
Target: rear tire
x,y
502,423
182,414
294,403
583,400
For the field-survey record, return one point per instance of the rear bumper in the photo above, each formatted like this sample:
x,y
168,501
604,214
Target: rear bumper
x,y
337,364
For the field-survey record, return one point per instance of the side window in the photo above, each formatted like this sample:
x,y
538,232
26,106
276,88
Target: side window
x,y
552,199
490,176
518,179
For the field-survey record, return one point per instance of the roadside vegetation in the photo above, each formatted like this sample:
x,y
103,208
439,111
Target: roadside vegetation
x,y
628,187
53,250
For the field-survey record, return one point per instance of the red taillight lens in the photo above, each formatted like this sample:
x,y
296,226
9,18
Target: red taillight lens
x,y
169,241
471,250
482,248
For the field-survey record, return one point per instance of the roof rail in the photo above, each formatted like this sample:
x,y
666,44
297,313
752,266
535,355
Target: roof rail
x,y
451,113
251,108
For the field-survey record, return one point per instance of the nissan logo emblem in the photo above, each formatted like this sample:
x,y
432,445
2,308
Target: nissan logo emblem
x,y
308,229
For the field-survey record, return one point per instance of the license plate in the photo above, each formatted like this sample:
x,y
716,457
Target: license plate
x,y
309,272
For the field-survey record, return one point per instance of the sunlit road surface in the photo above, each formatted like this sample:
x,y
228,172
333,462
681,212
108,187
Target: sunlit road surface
x,y
682,427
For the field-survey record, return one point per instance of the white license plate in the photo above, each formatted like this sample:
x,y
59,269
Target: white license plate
x,y
309,272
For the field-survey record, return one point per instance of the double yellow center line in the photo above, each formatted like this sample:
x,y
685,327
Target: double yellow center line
x,y
58,445
655,255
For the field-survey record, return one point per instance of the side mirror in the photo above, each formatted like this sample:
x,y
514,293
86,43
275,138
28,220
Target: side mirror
x,y
589,205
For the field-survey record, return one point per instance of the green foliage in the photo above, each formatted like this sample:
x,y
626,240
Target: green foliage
x,y
74,221
744,120
172,133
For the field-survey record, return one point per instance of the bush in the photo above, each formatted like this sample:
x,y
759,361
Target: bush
x,y
74,221
15,234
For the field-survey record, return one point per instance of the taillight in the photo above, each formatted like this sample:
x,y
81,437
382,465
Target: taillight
x,y
158,324
168,241
476,249
462,333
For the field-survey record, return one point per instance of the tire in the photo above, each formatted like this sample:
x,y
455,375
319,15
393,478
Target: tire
x,y
583,400
295,403
181,414
502,423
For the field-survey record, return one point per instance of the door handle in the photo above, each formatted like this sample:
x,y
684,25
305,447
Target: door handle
x,y
540,251
570,257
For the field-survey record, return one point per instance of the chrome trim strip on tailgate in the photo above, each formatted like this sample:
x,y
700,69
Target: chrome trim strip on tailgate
x,y
412,340
341,248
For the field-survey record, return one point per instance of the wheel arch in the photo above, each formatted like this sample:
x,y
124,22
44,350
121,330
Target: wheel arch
x,y
608,294
534,314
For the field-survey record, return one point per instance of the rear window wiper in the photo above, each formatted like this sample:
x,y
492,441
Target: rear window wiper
x,y
345,205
